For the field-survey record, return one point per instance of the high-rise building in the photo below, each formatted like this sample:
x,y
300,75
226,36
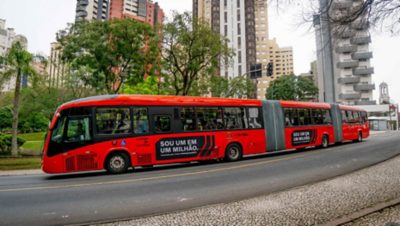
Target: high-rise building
x,y
7,37
92,9
57,70
140,10
268,51
343,55
235,21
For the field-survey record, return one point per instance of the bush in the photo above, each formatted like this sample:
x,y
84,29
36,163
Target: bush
x,y
5,118
5,143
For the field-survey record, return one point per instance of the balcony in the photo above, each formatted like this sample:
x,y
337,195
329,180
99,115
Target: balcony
x,y
364,87
346,49
361,40
363,71
361,55
349,96
83,2
347,64
349,80
366,102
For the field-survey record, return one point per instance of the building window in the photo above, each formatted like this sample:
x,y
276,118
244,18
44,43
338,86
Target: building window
x,y
239,30
238,15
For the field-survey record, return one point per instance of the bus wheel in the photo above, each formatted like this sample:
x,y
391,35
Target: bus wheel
x,y
360,138
325,141
117,163
233,152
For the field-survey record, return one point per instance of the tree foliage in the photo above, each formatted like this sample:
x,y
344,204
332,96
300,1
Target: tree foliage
x,y
192,52
290,87
238,87
383,14
107,53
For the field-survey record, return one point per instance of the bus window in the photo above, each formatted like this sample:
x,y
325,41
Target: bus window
x,y
187,119
78,129
349,115
208,118
317,114
327,119
287,117
255,120
301,116
113,121
344,116
58,131
307,117
356,116
162,123
140,121
235,118
364,117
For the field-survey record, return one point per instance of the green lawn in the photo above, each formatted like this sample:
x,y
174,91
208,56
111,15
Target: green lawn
x,y
33,145
20,163
32,136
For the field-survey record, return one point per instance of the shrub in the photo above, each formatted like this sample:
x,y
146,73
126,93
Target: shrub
x,y
5,143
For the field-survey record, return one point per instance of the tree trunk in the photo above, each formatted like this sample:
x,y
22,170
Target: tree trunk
x,y
14,144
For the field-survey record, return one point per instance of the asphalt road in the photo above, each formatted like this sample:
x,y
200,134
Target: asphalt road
x,y
95,197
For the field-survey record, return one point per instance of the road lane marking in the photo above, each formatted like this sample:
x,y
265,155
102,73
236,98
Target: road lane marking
x,y
150,178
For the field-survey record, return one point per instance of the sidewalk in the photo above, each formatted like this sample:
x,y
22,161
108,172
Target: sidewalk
x,y
20,172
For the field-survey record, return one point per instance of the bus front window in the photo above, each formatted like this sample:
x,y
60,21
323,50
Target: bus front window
x,y
57,134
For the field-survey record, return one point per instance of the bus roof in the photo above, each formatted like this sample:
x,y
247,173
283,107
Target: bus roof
x,y
350,108
152,100
297,104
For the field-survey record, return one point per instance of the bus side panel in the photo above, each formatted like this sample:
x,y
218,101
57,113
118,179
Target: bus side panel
x,y
274,125
306,136
337,122
197,146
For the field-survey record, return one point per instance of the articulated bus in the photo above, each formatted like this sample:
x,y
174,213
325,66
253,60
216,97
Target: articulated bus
x,y
117,132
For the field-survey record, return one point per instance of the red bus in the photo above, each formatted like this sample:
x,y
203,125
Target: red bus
x,y
120,131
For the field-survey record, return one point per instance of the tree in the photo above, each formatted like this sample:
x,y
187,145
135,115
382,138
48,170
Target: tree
x,y
17,63
381,13
290,87
109,53
238,87
151,85
192,52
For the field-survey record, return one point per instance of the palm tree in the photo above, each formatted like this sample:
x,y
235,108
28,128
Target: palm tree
x,y
17,62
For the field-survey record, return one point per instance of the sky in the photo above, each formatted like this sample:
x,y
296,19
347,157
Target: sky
x,y
39,20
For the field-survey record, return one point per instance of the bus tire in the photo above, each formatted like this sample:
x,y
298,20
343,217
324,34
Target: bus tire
x,y
117,162
233,152
325,141
359,138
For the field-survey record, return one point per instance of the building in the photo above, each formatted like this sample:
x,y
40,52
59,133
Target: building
x,y
140,10
343,56
7,37
57,70
385,115
235,21
268,51
92,9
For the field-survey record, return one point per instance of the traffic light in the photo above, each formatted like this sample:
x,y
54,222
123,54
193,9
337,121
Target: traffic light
x,y
270,69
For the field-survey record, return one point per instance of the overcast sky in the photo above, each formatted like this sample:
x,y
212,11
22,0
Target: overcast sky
x,y
39,20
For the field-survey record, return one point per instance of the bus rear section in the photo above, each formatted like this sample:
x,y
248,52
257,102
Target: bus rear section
x,y
83,138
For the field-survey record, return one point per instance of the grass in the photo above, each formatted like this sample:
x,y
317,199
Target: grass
x,y
32,136
20,163
34,143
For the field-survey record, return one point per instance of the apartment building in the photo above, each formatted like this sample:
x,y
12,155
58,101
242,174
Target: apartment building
x,y
235,21
268,51
343,56
140,10
92,9
7,37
